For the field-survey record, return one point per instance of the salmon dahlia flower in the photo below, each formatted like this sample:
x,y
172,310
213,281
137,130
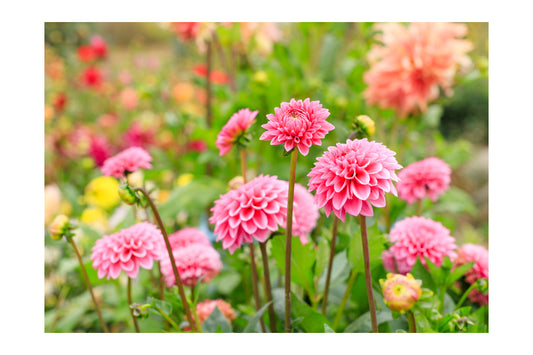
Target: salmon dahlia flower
x,y
126,162
480,270
205,308
252,211
429,177
418,237
299,124
128,250
235,129
352,177
400,292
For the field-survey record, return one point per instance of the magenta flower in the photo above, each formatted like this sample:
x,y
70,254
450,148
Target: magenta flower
x,y
234,129
193,262
126,162
99,149
353,177
297,123
429,177
305,213
187,236
418,237
129,249
252,211
480,270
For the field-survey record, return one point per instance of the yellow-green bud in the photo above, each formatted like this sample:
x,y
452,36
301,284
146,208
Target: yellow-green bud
x,y
366,124
59,226
236,182
127,195
400,292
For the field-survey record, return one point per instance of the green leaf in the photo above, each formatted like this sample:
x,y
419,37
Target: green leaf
x,y
327,329
363,324
339,271
163,306
251,327
328,54
215,322
420,272
458,272
312,321
322,256
376,245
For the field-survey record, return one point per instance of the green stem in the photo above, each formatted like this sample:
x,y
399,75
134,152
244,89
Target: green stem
x,y
188,313
368,277
419,207
254,285
131,310
351,281
193,297
411,322
268,287
465,295
88,283
330,264
442,295
288,242
168,319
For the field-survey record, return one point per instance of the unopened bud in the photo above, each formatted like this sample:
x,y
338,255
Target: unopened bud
x,y
236,182
400,292
127,195
365,125
59,227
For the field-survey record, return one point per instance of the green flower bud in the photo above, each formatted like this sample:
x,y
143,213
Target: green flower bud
x,y
59,227
127,195
364,126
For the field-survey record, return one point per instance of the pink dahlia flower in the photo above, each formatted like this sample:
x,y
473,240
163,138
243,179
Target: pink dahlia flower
x,y
193,261
418,237
187,236
480,270
252,211
353,177
412,63
235,129
305,213
205,308
126,162
297,123
429,177
99,149
129,249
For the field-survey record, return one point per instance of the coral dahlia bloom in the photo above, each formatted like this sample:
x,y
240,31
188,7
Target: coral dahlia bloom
x,y
353,177
418,237
297,124
205,308
128,250
480,270
234,129
305,213
187,236
429,177
193,261
126,162
400,292
186,30
413,63
86,54
252,211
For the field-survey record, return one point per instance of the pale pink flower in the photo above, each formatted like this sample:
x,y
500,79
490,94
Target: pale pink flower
x,y
412,64
429,177
193,261
205,308
126,162
129,98
234,129
297,124
305,213
128,250
252,211
480,270
187,236
418,237
264,34
352,177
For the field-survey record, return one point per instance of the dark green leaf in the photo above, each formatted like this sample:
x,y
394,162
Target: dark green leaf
x,y
251,327
312,321
458,272
216,321
163,306
363,324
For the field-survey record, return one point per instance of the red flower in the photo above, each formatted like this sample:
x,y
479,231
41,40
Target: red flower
x,y
92,76
200,70
99,46
197,145
216,76
186,30
59,101
86,54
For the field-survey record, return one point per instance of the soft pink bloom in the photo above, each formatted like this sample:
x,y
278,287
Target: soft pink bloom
x,y
205,308
480,270
353,177
187,236
99,149
138,136
127,161
429,177
124,77
418,237
305,213
234,129
129,98
129,249
297,124
411,65
252,211
193,261
99,46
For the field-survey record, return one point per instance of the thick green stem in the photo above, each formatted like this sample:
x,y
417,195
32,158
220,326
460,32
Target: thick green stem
x,y
268,288
330,264
351,281
411,322
288,244
181,290
368,276
131,310
88,283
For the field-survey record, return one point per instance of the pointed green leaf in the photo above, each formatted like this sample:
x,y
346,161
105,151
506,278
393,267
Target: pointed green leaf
x,y
216,321
251,327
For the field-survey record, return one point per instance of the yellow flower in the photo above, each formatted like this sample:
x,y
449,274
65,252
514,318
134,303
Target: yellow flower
x,y
94,217
183,179
102,192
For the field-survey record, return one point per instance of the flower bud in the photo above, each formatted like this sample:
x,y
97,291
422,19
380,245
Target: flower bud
x,y
59,227
400,292
127,195
236,182
365,125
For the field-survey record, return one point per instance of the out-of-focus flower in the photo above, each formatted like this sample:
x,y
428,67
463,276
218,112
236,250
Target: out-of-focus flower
x,y
412,63
52,201
102,192
86,54
183,92
197,145
184,179
139,136
429,177
127,161
215,76
99,46
262,34
59,227
234,131
353,177
127,250
95,217
193,262
400,292
260,77
186,237
48,112
480,270
124,77
418,237
251,211
186,31
299,124
99,149
92,77
107,120
60,100
129,98
205,308
305,213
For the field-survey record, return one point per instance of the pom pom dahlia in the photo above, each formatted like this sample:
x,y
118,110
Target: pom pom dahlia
x,y
305,213
429,177
251,211
480,270
129,249
234,130
418,237
126,162
297,123
353,177
194,261
205,308
187,236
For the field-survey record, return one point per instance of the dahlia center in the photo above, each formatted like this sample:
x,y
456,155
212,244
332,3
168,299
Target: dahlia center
x,y
398,289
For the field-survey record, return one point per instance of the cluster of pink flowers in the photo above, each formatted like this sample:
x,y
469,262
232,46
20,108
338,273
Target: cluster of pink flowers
x,y
127,161
234,129
418,237
413,62
353,177
429,177
480,270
